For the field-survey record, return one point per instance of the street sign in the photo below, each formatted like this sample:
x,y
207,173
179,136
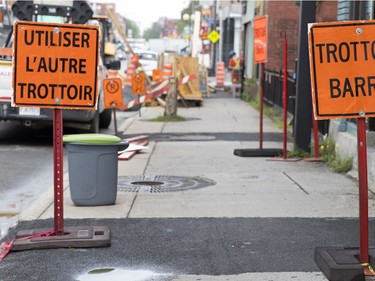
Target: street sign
x,y
260,39
55,65
157,75
342,56
213,36
112,92
138,83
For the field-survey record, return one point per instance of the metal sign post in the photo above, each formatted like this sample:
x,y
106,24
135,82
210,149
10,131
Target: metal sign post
x,y
139,86
342,87
68,83
113,96
58,171
363,191
260,57
285,95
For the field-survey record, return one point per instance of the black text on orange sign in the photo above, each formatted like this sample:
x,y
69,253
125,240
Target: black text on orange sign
x,y
348,52
62,59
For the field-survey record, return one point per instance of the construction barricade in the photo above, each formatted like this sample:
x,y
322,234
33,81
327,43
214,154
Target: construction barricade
x,y
220,73
167,70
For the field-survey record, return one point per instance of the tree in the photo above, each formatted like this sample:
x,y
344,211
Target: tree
x,y
132,25
189,10
152,32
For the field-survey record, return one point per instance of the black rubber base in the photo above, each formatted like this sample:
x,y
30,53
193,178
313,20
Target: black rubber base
x,y
74,237
341,264
260,152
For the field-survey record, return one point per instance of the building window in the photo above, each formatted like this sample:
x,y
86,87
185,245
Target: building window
x,y
244,7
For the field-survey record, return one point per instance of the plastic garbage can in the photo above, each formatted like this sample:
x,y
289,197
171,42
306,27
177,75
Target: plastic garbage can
x,y
93,168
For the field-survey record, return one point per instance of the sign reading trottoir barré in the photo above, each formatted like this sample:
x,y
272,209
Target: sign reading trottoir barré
x,y
55,65
342,67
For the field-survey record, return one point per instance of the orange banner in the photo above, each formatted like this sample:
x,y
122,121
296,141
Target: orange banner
x,y
260,39
55,65
342,68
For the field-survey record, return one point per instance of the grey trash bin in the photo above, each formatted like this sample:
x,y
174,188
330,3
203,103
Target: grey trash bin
x,y
93,167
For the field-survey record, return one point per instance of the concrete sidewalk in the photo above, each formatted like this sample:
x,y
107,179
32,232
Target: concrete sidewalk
x,y
255,220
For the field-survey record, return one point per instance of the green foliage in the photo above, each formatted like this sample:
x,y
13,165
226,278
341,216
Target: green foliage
x,y
272,112
193,6
249,90
297,153
328,151
342,165
153,32
189,10
167,119
133,26
328,148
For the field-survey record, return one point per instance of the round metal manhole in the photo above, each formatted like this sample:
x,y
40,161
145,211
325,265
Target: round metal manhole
x,y
161,184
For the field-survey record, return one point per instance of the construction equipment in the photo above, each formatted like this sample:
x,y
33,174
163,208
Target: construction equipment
x,y
72,12
122,34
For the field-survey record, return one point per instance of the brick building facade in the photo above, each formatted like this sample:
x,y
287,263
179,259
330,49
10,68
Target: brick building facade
x,y
283,17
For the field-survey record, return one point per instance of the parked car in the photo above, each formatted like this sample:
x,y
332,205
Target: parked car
x,y
35,117
148,60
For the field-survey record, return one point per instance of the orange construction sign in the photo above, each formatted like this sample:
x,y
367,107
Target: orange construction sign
x,y
139,83
260,39
342,68
157,75
55,65
112,92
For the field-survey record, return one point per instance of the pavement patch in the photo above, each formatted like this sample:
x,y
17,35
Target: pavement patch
x,y
187,246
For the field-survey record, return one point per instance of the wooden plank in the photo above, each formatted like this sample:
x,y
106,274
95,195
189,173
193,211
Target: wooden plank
x,y
137,138
184,73
188,66
128,155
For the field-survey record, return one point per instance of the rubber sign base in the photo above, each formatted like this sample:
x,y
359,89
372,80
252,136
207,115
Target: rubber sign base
x,y
258,152
73,237
341,264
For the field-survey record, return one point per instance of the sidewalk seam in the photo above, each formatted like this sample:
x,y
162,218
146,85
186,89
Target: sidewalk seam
x,y
144,172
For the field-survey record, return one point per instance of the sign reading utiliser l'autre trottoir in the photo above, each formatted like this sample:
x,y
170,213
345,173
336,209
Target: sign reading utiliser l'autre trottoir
x,y
55,65
342,67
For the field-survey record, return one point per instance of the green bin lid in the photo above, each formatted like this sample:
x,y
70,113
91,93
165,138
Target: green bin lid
x,y
91,138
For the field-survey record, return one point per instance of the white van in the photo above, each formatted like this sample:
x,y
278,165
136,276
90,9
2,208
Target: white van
x,y
148,60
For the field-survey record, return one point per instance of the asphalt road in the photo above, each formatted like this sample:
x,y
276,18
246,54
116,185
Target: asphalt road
x,y
26,166
26,170
212,246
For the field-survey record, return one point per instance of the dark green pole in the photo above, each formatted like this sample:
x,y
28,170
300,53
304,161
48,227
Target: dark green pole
x,y
303,110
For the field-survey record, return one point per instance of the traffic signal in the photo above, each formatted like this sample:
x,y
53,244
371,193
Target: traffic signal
x,y
80,12
23,10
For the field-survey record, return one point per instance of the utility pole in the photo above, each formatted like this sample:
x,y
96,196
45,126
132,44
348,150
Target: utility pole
x,y
303,110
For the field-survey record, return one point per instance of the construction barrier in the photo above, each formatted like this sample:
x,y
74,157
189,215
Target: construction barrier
x,y
167,70
156,89
220,73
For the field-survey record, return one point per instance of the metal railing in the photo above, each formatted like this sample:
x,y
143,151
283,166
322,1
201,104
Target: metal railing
x,y
273,94
273,90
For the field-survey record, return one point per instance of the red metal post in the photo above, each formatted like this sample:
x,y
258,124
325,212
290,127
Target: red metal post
x,y
58,170
363,191
261,93
285,94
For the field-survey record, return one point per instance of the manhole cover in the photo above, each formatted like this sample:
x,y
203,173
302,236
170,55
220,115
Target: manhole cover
x,y
160,184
